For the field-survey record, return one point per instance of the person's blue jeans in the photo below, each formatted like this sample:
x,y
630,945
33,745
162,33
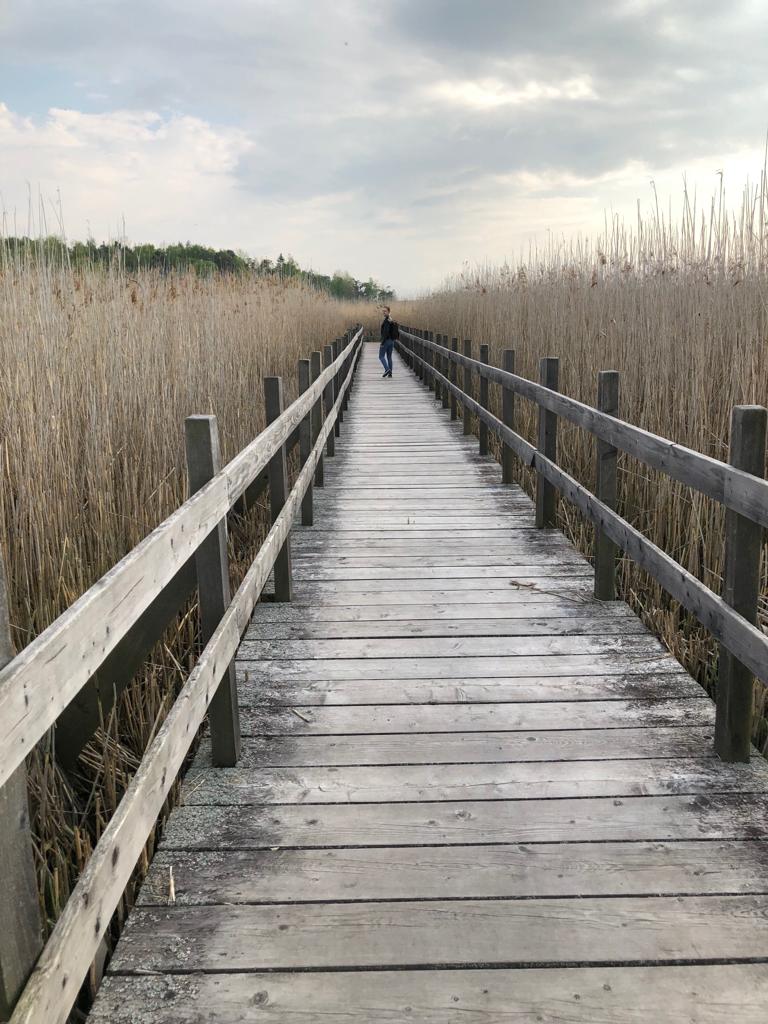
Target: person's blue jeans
x,y
385,355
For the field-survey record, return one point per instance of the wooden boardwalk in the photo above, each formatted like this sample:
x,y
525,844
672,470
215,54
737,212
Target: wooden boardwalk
x,y
468,790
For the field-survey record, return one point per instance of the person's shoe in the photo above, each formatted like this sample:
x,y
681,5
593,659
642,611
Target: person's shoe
x,y
385,374
388,373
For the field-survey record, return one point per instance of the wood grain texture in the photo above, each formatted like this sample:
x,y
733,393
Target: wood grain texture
x,y
360,784
458,872
445,933
20,921
471,748
617,682
608,995
589,819
415,718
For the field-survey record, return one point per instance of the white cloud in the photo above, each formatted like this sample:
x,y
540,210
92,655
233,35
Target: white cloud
x,y
490,93
133,163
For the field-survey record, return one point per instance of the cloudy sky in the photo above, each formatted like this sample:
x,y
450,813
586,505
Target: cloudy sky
x,y
393,138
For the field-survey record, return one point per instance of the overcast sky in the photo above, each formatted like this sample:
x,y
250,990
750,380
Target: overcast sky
x,y
393,138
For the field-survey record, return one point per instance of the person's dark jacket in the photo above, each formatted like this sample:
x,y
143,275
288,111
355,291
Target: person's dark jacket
x,y
389,330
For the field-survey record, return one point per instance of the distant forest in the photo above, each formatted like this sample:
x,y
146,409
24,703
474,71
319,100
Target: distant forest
x,y
185,256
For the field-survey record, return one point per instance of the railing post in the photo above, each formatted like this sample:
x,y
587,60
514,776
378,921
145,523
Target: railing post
x,y
330,445
438,367
201,434
305,444
337,386
454,374
546,495
20,922
467,388
345,371
430,363
483,427
317,418
422,355
605,489
741,588
445,369
507,417
278,488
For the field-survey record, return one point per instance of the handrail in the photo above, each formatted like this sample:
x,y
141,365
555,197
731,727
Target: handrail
x,y
739,491
49,673
53,985
745,495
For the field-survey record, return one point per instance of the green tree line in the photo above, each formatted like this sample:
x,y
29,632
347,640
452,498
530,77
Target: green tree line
x,y
183,257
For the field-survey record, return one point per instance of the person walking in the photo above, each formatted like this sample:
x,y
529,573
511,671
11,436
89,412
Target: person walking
x,y
390,332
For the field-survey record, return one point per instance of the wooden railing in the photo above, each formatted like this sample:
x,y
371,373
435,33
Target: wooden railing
x,y
738,485
126,611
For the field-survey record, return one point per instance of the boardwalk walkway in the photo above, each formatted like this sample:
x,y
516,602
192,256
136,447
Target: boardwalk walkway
x,y
468,791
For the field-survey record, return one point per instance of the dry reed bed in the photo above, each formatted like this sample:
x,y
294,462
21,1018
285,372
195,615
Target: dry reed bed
x,y
689,344
97,372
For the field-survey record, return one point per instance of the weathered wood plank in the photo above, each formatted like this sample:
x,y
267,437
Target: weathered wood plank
x,y
399,647
589,819
542,608
666,995
493,560
415,718
615,663
255,690
443,627
20,920
437,933
358,784
571,589
458,872
471,747
203,452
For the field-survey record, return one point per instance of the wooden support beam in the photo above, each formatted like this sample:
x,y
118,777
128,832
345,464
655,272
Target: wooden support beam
x,y
336,347
328,397
305,443
741,589
20,921
278,487
201,434
453,376
317,416
467,388
507,417
439,367
483,427
546,494
445,368
606,488
344,370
